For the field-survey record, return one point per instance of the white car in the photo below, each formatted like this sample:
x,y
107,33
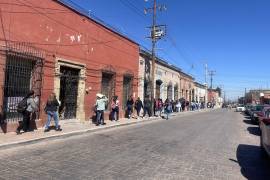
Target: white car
x,y
240,108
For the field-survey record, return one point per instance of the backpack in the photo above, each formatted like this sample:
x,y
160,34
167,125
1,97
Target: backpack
x,y
22,105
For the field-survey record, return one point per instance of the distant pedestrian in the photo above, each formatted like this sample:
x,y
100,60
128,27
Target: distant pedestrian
x,y
187,105
178,106
160,106
147,106
138,106
115,108
51,110
155,106
183,105
101,102
31,106
168,108
130,103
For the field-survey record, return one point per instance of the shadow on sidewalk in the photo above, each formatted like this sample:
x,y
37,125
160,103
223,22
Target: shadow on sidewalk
x,y
254,165
254,130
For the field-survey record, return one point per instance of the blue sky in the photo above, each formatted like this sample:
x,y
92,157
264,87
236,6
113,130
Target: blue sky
x,y
231,36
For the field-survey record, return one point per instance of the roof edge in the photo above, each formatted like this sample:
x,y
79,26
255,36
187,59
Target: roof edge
x,y
61,2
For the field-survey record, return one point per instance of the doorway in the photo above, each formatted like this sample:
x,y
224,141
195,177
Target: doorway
x,y
127,90
69,81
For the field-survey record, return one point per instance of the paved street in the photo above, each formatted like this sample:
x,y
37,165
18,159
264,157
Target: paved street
x,y
221,144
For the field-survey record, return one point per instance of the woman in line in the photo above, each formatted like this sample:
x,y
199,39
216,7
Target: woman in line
x,y
168,108
52,112
115,108
138,106
129,104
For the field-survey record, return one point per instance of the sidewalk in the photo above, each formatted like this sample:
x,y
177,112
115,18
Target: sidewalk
x,y
73,127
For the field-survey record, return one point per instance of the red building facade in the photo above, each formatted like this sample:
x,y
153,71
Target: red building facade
x,y
49,47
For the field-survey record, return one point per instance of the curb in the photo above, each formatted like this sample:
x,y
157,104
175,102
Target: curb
x,y
90,130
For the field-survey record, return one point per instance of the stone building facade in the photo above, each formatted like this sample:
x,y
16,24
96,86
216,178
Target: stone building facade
x,y
167,78
187,90
200,92
257,96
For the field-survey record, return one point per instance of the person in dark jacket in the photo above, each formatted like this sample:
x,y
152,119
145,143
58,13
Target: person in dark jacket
x,y
115,108
52,112
130,103
32,106
147,107
138,106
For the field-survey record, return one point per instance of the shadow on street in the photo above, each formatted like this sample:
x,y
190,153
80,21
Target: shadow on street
x,y
254,131
252,162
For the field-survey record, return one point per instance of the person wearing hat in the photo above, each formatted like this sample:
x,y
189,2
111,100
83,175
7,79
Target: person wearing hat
x,y
100,107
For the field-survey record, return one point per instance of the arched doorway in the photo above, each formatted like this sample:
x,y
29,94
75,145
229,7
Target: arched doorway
x,y
170,91
176,92
158,86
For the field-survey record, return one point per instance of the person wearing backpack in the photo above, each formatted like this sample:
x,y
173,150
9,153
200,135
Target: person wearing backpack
x,y
52,112
26,107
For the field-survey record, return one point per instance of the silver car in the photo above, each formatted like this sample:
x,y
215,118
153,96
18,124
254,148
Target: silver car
x,y
265,130
240,108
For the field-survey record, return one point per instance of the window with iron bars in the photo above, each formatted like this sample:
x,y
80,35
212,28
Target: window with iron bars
x,y
23,72
108,86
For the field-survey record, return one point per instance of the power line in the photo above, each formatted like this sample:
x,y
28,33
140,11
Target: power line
x,y
132,7
77,31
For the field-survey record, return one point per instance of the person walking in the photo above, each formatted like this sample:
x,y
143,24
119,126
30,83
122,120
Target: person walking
x,y
129,104
178,106
115,108
51,110
155,106
147,107
100,108
183,105
138,106
168,108
31,107
160,106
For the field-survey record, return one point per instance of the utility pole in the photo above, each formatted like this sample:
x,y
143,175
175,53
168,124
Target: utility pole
x,y
157,32
245,97
211,74
206,72
206,84
224,97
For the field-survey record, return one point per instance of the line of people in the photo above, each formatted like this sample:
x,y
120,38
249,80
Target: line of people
x,y
28,107
142,108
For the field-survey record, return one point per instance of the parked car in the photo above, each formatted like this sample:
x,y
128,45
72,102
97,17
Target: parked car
x,y
248,109
264,123
256,112
240,108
